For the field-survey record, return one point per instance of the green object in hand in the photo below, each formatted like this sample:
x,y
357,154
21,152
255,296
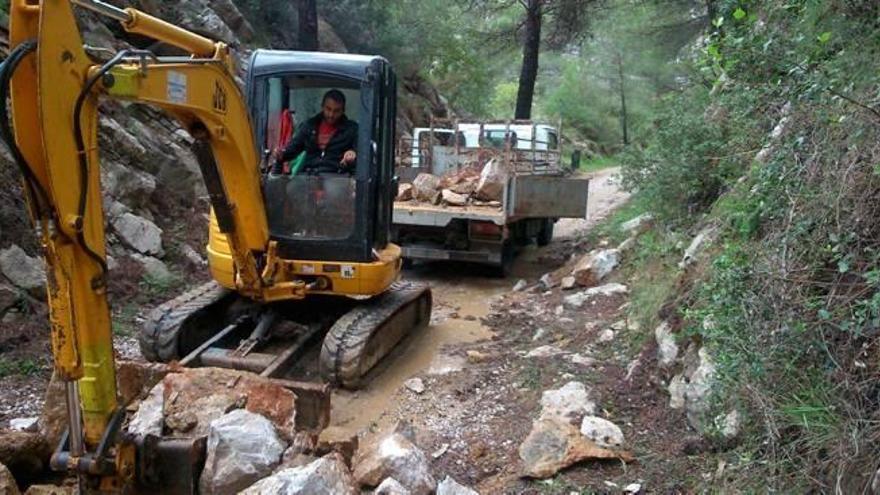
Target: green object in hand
x,y
297,163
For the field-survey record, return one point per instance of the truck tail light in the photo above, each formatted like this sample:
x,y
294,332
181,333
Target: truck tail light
x,y
485,229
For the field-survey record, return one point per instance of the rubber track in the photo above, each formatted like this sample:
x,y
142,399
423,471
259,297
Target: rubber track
x,y
159,334
349,339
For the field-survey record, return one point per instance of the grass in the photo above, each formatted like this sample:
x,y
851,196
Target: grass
x,y
13,366
598,163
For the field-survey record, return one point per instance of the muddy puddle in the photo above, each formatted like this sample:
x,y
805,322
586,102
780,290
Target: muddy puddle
x,y
462,295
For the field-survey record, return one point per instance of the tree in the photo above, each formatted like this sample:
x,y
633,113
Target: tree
x,y
308,25
531,50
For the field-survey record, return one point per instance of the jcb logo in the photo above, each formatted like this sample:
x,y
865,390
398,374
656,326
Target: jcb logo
x,y
219,98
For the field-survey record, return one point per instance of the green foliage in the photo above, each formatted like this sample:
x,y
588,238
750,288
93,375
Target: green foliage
x,y
12,366
158,287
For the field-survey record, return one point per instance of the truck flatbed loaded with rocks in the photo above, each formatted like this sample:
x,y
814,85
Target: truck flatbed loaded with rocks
x,y
475,191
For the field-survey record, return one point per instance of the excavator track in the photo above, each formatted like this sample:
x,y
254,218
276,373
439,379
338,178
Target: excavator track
x,y
204,307
361,337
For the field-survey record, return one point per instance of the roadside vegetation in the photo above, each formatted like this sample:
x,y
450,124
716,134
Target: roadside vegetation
x,y
772,148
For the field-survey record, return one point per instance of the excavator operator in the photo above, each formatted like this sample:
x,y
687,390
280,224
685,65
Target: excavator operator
x,y
329,140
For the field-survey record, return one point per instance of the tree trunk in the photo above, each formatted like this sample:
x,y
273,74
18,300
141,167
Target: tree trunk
x,y
531,46
621,88
308,25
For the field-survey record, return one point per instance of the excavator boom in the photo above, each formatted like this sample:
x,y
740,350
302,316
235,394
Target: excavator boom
x,y
54,88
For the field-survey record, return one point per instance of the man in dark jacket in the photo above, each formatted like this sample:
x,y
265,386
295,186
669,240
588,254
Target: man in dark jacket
x,y
329,138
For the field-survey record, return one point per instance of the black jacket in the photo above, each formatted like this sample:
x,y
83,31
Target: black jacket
x,y
306,139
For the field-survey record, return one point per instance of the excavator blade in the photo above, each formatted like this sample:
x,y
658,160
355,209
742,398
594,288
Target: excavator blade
x,y
364,335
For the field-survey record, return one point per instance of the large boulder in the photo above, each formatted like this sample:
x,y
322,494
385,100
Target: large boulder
x,y
569,403
242,448
451,487
139,234
603,432
394,455
595,266
426,188
492,181
667,348
23,271
8,486
148,419
195,397
129,185
327,475
553,445
233,18
154,268
26,454
454,199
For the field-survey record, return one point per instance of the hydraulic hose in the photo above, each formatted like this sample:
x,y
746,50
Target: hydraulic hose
x,y
81,152
40,208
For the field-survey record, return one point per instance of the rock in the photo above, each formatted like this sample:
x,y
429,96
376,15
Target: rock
x,y
394,456
195,397
51,490
242,448
539,334
696,246
8,486
477,356
415,385
577,300
729,424
128,185
493,180
233,18
139,233
667,349
199,17
547,281
327,475
192,256
544,351
606,335
451,487
153,268
148,419
601,431
454,199
632,488
699,388
553,445
594,267
23,271
569,403
465,187
24,424
53,418
137,378
25,454
390,486
638,224
404,192
676,388
568,283
582,360
559,310
520,285
345,446
426,188
626,245
9,297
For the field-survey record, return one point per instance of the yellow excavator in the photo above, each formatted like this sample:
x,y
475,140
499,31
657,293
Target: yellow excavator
x,y
293,257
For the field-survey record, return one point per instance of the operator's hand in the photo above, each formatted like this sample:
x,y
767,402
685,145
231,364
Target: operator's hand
x,y
349,157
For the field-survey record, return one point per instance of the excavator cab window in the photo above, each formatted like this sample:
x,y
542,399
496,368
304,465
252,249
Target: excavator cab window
x,y
326,213
313,198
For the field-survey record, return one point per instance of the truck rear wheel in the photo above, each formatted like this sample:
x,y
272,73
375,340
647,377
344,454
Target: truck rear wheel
x,y
545,235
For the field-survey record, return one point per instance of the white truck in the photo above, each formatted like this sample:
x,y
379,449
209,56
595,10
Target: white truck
x,y
535,191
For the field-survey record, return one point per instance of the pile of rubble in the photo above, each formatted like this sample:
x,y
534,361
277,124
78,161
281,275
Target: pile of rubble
x,y
467,186
257,437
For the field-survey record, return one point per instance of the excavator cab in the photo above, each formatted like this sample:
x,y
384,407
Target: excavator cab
x,y
331,216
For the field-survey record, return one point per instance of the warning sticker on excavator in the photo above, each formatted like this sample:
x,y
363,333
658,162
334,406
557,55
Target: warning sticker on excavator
x,y
176,87
347,271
